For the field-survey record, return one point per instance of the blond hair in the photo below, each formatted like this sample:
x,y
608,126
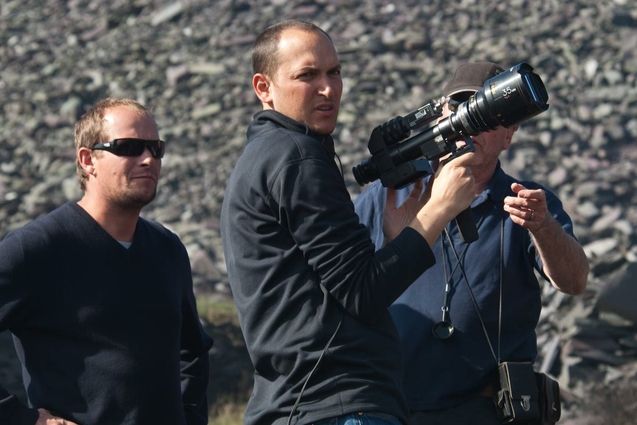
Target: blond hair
x,y
89,129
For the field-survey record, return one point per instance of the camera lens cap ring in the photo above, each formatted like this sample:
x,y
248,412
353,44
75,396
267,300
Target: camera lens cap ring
x,y
443,329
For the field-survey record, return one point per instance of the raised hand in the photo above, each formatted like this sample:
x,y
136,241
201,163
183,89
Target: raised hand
x,y
528,209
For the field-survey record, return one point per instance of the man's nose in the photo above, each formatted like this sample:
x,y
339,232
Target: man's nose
x,y
326,86
147,158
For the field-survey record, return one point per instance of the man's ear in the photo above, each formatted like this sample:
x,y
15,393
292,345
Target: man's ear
x,y
510,131
261,86
85,159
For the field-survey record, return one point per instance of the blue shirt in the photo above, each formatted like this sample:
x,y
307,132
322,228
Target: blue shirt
x,y
442,373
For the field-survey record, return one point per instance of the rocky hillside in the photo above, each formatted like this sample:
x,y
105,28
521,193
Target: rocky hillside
x,y
189,61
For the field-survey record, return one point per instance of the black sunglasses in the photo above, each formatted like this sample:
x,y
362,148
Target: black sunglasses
x,y
455,101
132,147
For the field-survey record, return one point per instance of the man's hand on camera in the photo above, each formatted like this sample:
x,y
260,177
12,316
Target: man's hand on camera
x,y
453,186
452,191
396,218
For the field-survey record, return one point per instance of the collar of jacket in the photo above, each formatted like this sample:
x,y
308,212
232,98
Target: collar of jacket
x,y
287,122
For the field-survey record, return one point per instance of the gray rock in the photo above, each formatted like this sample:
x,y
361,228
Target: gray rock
x,y
600,247
190,62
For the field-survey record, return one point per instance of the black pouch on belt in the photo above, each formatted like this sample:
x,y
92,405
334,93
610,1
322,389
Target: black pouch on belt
x,y
526,396
518,398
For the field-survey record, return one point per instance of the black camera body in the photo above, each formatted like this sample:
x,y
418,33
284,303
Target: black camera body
x,y
506,99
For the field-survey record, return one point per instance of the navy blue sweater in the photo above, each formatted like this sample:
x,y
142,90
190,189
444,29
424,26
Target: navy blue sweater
x,y
299,263
105,334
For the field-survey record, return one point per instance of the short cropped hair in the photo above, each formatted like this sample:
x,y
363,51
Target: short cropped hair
x,y
264,52
89,129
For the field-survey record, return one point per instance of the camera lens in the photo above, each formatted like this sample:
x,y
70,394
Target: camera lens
x,y
504,100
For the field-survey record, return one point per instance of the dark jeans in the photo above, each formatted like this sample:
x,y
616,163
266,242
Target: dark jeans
x,y
360,419
478,410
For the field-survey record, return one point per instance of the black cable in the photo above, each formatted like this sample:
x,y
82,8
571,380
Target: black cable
x,y
309,375
472,296
340,164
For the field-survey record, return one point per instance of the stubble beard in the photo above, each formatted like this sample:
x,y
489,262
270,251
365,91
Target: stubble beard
x,y
135,198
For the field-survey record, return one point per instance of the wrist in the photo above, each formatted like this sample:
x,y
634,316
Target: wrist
x,y
430,221
546,228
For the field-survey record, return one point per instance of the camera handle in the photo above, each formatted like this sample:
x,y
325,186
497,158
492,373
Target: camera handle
x,y
467,226
465,222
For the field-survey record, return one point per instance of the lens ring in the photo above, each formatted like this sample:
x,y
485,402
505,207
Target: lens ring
x,y
443,329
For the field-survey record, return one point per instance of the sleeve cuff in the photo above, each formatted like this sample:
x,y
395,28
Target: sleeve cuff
x,y
14,412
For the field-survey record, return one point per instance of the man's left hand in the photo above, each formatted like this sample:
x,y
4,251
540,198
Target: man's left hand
x,y
396,218
528,209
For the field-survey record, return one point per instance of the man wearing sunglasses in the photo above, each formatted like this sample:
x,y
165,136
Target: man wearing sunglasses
x,y
100,300
479,304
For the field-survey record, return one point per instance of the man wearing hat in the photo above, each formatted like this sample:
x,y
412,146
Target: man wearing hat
x,y
480,303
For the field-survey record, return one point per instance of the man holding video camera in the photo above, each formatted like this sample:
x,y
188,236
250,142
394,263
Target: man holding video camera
x,y
479,304
311,290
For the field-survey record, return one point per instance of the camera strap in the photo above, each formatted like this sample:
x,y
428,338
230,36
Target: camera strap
x,y
444,329
459,260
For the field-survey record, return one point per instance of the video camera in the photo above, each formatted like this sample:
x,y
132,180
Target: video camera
x,y
506,99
